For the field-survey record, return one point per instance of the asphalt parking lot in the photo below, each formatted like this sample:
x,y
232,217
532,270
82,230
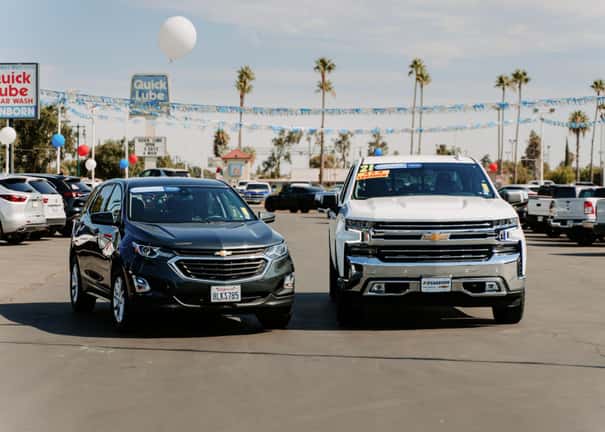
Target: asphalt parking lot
x,y
438,369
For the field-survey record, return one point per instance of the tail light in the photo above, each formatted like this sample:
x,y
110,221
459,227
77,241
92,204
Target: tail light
x,y
72,194
14,198
45,200
588,208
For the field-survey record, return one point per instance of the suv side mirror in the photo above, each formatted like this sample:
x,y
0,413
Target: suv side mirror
x,y
104,218
266,217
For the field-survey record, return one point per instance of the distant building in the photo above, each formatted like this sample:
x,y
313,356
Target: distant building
x,y
238,166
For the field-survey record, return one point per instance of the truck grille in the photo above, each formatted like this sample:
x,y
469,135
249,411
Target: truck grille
x,y
434,226
434,253
221,269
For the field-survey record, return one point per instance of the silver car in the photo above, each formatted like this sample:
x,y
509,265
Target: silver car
x,y
21,210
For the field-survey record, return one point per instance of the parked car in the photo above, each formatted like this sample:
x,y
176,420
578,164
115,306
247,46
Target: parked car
x,y
165,172
577,216
74,192
320,197
54,211
256,193
293,198
241,186
21,210
425,230
540,208
178,243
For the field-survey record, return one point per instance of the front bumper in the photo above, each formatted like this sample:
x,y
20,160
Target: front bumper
x,y
170,289
254,199
468,287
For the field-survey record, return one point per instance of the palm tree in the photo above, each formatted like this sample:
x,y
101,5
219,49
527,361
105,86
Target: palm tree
x,y
578,126
342,146
243,85
221,142
324,67
415,68
519,79
599,87
503,82
377,142
424,79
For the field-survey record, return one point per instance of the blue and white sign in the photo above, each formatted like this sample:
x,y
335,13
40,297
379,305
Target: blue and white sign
x,y
149,93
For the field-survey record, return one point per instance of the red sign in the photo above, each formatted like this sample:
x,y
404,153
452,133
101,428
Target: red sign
x,y
19,91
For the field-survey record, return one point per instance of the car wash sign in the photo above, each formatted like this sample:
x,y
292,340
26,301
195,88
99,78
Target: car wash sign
x,y
149,95
19,96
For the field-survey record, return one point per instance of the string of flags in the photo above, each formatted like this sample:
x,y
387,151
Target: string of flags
x,y
152,109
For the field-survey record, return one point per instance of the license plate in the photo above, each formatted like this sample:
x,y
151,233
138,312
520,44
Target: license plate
x,y
540,218
34,204
435,285
225,293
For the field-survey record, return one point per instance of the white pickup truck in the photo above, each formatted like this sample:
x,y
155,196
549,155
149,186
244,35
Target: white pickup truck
x,y
577,215
428,230
599,227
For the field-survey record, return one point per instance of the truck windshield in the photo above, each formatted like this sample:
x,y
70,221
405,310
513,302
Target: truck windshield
x,y
186,204
407,179
257,187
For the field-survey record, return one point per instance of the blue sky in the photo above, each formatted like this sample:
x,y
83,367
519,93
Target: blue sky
x,y
96,46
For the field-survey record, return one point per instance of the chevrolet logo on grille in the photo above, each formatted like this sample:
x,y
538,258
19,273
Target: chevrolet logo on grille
x,y
223,253
436,236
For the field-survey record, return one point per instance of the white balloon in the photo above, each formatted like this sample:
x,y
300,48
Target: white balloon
x,y
7,135
177,37
90,164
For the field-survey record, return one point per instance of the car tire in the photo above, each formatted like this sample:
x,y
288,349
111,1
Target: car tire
x,y
121,311
586,238
15,239
348,310
333,281
81,302
269,207
553,233
36,235
304,210
293,210
66,230
509,314
275,319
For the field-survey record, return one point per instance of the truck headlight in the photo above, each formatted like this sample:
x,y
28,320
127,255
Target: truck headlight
x,y
150,252
277,251
358,225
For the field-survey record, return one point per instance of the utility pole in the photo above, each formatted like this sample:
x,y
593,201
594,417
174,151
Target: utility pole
x,y
541,159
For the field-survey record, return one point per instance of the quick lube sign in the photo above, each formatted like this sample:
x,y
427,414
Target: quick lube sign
x,y
149,95
19,91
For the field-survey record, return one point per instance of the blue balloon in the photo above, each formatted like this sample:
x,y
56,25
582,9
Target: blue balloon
x,y
378,152
58,140
123,163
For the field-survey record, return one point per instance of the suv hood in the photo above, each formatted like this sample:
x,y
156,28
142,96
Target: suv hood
x,y
221,235
430,208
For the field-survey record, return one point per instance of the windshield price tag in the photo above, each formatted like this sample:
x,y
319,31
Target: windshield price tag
x,y
372,175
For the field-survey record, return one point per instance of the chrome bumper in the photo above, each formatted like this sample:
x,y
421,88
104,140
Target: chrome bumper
x,y
503,270
568,224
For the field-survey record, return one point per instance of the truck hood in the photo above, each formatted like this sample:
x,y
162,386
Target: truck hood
x,y
430,208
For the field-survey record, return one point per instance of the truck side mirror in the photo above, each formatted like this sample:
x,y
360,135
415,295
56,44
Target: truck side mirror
x,y
514,197
330,201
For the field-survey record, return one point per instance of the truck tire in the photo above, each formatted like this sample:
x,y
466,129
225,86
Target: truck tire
x,y
509,314
269,207
333,281
552,233
586,238
348,310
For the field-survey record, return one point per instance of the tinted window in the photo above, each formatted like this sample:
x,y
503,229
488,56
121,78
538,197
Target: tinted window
x,y
407,179
77,186
114,204
43,187
186,204
18,185
346,184
600,193
100,202
257,186
177,173
564,192
587,193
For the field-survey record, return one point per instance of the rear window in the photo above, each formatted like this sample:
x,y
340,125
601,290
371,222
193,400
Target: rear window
x,y
599,193
564,192
43,187
587,193
177,173
257,186
77,186
18,185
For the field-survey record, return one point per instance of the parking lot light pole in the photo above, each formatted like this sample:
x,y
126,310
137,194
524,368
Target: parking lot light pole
x,y
541,159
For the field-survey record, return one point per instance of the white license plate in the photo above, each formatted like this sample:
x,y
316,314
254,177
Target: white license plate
x,y
225,293
540,218
34,204
435,285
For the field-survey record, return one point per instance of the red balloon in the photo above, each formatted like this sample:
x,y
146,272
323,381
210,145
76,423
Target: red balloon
x,y
133,159
83,150
493,167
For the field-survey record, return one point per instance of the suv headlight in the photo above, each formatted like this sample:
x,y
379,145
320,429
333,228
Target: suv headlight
x,y
277,251
358,225
147,251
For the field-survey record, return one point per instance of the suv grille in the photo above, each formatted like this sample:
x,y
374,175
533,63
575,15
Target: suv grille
x,y
221,269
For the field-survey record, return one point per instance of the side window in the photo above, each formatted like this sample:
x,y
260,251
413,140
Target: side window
x,y
345,186
100,202
114,204
145,173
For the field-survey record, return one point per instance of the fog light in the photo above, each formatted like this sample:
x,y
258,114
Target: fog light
x,y
491,287
140,284
378,288
288,286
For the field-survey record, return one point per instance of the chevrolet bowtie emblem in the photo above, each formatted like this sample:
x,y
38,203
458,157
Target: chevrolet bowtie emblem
x,y
223,253
436,236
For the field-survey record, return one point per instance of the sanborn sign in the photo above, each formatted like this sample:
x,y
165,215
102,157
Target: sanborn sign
x,y
19,98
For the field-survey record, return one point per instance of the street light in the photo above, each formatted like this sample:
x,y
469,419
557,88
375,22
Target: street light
x,y
541,160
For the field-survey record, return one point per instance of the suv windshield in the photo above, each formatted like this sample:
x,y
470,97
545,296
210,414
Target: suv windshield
x,y
406,179
186,204
257,186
